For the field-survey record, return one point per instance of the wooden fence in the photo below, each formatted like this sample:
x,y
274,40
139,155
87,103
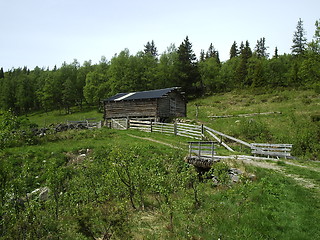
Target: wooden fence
x,y
179,129
198,132
272,150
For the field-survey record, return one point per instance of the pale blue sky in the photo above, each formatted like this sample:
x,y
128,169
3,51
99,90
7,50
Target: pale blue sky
x,y
45,33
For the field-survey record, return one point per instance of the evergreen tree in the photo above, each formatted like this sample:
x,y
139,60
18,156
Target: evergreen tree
x,y
213,53
187,66
276,53
242,68
202,55
261,48
151,49
234,52
314,46
241,47
1,73
299,40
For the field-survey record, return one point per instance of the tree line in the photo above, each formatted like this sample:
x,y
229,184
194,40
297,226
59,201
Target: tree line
x,y
23,90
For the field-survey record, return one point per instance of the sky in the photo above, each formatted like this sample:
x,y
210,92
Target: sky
x,y
46,33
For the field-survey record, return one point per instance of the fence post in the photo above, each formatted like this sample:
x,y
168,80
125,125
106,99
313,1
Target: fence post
x,y
127,123
175,129
150,126
202,132
212,150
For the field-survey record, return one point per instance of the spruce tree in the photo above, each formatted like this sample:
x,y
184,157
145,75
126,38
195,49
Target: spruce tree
x,y
187,66
314,45
213,53
276,53
234,52
242,68
299,40
151,49
261,49
1,73
202,55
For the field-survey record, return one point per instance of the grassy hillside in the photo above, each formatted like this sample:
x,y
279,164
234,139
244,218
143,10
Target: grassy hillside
x,y
112,184
297,120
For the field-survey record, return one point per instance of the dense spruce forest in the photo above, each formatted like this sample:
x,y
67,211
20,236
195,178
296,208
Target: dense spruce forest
x,y
23,90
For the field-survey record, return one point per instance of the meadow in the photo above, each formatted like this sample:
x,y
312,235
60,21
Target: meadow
x,y
113,184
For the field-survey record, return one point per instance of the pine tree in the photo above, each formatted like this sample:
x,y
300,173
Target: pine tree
x,y
202,55
1,73
234,52
261,49
276,53
299,40
187,66
151,49
213,53
314,46
242,68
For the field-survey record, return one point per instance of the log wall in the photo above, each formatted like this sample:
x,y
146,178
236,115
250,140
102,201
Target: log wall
x,y
136,108
172,105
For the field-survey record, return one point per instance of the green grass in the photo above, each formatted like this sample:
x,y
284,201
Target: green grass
x,y
91,197
294,125
271,207
43,119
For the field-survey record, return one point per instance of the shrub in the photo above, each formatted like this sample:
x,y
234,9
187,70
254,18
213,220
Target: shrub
x,y
254,130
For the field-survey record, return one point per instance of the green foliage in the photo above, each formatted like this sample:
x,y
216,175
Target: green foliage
x,y
254,130
299,40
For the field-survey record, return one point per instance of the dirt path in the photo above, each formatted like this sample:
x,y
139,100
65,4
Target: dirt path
x,y
156,141
261,162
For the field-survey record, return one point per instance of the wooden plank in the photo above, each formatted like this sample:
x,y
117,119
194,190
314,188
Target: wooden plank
x,y
139,122
219,140
202,142
166,124
244,115
188,136
140,125
186,124
189,130
272,145
227,136
273,149
268,153
190,133
162,131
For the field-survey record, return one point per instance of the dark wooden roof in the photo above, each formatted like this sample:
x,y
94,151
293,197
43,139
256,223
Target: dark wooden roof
x,y
158,93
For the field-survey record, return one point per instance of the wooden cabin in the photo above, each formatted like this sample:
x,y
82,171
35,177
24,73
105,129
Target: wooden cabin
x,y
158,105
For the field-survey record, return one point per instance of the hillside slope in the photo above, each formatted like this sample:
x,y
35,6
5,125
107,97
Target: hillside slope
x,y
294,117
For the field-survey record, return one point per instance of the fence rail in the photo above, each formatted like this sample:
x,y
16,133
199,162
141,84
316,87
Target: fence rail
x,y
198,132
179,129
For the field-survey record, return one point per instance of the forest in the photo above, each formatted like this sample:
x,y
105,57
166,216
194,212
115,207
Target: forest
x,y
74,85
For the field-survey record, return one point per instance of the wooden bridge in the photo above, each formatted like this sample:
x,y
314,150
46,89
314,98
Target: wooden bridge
x,y
202,154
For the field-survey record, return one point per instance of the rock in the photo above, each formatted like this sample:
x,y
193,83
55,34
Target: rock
x,y
40,193
235,171
234,178
82,151
44,194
